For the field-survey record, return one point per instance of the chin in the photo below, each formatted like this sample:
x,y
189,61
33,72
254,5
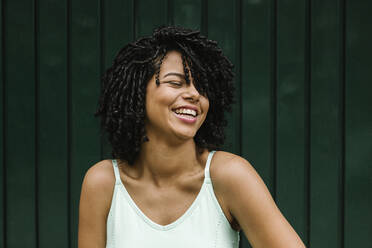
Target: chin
x,y
185,134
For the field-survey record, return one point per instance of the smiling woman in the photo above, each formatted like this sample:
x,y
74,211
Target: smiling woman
x,y
163,105
171,57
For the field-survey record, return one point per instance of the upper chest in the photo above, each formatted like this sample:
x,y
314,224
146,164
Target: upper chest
x,y
164,205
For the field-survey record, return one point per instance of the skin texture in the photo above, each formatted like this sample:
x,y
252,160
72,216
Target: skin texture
x,y
161,174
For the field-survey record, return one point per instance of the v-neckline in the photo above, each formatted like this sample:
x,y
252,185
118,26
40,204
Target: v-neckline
x,y
180,219
152,223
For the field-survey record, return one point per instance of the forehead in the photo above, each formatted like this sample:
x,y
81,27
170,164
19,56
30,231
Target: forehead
x,y
172,62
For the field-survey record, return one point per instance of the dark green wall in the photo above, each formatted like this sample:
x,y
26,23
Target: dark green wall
x,y
303,116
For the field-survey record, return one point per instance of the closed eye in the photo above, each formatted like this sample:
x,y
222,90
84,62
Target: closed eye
x,y
175,83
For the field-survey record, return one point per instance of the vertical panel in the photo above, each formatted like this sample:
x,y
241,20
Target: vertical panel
x,y
117,31
85,86
20,124
204,17
358,137
256,89
2,134
52,124
291,114
222,27
149,15
187,13
326,133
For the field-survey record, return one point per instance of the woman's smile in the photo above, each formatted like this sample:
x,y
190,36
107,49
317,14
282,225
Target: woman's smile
x,y
187,114
185,117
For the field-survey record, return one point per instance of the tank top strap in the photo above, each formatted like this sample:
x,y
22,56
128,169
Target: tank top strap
x,y
207,166
116,171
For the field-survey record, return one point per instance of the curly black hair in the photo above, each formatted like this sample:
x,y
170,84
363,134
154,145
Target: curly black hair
x,y
122,101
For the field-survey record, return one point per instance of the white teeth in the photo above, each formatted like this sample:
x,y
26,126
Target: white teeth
x,y
186,111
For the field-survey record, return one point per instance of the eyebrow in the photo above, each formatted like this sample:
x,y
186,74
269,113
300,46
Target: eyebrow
x,y
175,74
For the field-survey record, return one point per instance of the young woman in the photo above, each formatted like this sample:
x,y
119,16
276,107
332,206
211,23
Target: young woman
x,y
162,105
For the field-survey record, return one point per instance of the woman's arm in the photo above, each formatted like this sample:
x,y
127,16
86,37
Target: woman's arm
x,y
95,201
251,204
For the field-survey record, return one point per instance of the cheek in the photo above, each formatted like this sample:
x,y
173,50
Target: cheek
x,y
158,102
205,104
148,104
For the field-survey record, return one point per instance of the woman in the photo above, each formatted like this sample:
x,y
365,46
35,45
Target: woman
x,y
162,105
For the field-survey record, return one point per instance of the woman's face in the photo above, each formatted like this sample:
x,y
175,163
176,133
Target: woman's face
x,y
171,96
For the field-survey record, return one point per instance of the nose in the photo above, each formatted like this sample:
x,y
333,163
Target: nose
x,y
191,92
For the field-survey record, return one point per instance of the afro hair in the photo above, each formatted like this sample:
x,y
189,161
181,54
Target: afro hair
x,y
122,101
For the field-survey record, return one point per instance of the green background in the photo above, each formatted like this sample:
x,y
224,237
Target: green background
x,y
303,115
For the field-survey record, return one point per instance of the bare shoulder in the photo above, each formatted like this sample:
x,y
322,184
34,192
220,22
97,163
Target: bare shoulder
x,y
233,176
95,201
100,172
98,183
250,203
229,167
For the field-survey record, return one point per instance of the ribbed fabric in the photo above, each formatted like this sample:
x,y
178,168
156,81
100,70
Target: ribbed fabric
x,y
202,225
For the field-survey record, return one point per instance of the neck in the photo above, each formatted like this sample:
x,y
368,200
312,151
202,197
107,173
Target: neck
x,y
164,163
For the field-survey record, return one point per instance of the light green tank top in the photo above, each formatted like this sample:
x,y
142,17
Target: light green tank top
x,y
202,225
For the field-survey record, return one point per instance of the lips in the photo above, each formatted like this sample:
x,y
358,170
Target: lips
x,y
188,107
185,118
